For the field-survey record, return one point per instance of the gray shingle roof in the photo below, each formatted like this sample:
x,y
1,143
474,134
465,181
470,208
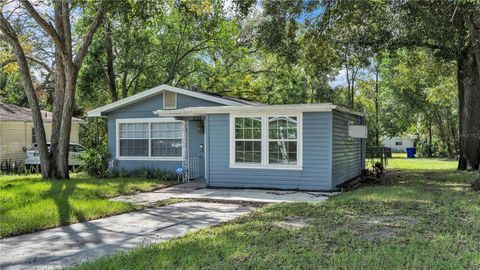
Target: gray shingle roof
x,y
10,112
240,100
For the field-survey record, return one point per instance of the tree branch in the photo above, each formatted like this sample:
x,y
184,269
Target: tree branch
x,y
48,27
31,59
82,52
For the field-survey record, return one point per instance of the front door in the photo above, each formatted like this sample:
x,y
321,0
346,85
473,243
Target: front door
x,y
196,149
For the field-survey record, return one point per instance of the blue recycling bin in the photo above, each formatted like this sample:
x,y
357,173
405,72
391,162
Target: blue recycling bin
x,y
411,151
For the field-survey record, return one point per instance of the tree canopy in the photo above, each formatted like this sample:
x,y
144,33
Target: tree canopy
x,y
414,66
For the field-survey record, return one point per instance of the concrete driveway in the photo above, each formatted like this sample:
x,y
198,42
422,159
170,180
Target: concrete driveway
x,y
68,245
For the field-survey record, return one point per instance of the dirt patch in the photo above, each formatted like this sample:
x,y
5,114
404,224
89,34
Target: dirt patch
x,y
295,222
370,178
378,227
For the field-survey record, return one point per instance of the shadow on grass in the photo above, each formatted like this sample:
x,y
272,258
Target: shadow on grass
x,y
60,193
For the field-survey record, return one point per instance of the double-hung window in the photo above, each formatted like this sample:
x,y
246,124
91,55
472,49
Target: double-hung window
x,y
149,139
248,140
266,141
282,140
133,139
166,139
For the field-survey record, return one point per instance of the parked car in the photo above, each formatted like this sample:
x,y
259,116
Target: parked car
x,y
33,157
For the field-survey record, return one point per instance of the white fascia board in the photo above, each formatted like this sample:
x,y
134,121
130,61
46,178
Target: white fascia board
x,y
147,93
246,109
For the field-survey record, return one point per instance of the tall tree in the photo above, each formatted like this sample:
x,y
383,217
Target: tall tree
x,y
450,30
68,60
11,37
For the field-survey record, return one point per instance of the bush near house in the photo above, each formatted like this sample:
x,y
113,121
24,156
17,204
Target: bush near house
x,y
95,161
429,219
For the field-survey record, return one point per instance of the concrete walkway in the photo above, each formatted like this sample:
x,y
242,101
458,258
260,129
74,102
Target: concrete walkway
x,y
68,245
197,190
150,198
255,195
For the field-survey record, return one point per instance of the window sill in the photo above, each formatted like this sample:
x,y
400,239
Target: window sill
x,y
267,167
152,158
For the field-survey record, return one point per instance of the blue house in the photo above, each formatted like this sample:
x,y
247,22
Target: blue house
x,y
233,142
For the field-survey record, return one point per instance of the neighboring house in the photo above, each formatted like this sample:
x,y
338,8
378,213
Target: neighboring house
x,y
17,134
232,142
401,143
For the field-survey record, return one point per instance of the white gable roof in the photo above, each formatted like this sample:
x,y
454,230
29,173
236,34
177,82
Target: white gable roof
x,y
156,90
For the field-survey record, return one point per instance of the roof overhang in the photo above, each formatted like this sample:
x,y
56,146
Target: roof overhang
x,y
154,91
252,109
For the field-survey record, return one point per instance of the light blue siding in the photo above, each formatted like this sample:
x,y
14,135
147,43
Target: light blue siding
x,y
144,109
316,172
329,156
347,154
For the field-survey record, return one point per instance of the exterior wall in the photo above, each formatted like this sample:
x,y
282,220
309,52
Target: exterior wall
x,y
406,141
144,109
347,154
17,135
316,172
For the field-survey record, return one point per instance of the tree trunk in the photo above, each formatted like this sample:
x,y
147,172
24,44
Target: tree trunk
x,y
430,152
65,128
42,148
470,109
59,95
377,109
110,71
124,84
462,160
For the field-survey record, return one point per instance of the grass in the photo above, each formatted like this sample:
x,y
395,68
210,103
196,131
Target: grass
x,y
428,220
28,203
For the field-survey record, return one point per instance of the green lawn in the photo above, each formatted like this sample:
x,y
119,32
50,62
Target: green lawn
x,y
428,220
28,203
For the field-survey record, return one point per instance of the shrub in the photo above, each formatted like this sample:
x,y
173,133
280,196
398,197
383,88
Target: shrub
x,y
146,173
95,161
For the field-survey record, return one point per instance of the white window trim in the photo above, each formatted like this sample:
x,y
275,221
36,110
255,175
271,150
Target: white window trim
x,y
163,98
264,160
149,121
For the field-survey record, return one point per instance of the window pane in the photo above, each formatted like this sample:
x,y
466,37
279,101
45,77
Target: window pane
x,y
282,127
166,147
248,135
281,152
166,130
133,130
129,147
248,151
238,133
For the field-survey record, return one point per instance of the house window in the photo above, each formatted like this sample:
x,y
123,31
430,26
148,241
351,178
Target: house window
x,y
282,140
248,140
134,139
169,100
266,141
398,143
166,139
150,139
